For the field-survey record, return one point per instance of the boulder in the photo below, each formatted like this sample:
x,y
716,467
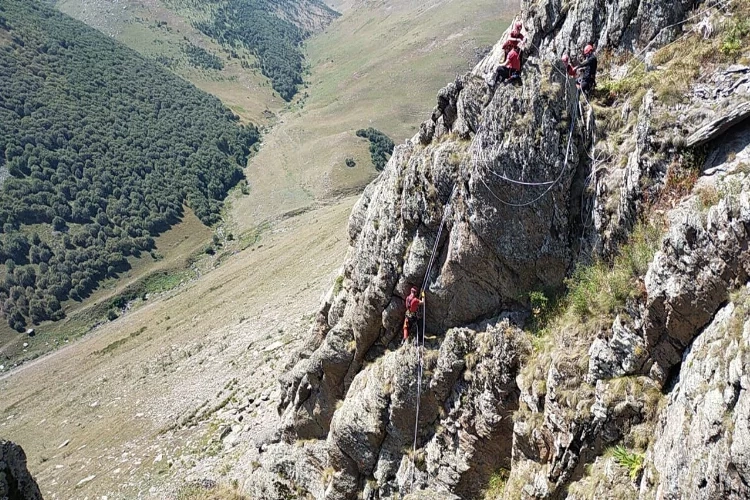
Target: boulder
x,y
16,482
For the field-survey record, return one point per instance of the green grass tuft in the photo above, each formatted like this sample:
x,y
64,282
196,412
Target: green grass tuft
x,y
338,285
600,289
628,459
496,484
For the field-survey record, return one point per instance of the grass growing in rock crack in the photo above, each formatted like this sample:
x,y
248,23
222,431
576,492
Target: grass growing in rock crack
x,y
595,292
678,64
630,460
496,484
600,290
741,300
562,332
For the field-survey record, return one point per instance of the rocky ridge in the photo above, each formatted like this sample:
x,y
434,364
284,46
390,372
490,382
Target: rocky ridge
x,y
513,188
16,482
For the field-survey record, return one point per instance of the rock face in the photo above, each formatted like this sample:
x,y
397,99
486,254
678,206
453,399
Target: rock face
x,y
16,482
699,261
702,452
499,195
489,252
464,419
581,413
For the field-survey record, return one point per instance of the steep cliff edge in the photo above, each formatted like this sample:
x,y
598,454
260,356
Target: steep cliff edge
x,y
511,191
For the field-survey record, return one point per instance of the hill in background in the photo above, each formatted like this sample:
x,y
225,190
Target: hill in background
x,y
246,52
102,150
379,65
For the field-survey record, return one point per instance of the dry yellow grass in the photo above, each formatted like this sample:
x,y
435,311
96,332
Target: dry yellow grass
x,y
379,65
117,395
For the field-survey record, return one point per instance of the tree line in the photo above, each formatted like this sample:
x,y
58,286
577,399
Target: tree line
x,y
200,58
381,146
103,149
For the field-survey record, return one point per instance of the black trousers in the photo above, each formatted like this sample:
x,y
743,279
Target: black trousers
x,y
587,85
505,73
415,326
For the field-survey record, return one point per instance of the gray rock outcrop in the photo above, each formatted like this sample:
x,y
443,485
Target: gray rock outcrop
x,y
581,411
16,482
463,425
499,194
703,449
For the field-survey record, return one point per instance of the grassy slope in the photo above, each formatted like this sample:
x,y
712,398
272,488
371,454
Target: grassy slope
x,y
135,23
185,239
381,65
117,393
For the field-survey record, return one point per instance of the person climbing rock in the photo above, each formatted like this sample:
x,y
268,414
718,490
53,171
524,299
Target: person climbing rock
x,y
514,39
568,67
587,78
411,320
508,72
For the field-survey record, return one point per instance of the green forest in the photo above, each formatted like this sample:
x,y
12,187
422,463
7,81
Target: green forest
x,y
103,149
274,41
199,57
381,146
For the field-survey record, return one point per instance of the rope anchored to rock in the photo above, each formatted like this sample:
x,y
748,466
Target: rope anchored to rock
x,y
550,184
420,348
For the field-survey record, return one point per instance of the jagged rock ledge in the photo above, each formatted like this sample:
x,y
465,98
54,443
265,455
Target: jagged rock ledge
x,y
350,399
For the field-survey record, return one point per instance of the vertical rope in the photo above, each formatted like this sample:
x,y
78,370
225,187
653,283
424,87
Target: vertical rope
x,y
417,345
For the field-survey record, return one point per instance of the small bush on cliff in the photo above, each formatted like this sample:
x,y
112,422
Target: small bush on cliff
x,y
732,43
496,485
338,285
741,300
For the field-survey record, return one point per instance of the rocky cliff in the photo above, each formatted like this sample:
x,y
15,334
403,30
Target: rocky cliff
x,y
506,198
16,482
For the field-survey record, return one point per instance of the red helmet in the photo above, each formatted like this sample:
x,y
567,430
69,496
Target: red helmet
x,y
565,59
588,49
519,25
413,289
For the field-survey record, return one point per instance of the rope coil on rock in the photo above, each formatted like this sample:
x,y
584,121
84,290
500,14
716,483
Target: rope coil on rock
x,y
559,176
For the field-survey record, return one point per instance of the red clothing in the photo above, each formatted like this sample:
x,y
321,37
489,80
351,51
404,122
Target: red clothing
x,y
513,40
570,69
513,61
413,303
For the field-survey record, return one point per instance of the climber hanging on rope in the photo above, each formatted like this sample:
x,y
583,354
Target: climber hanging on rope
x,y
413,312
587,78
